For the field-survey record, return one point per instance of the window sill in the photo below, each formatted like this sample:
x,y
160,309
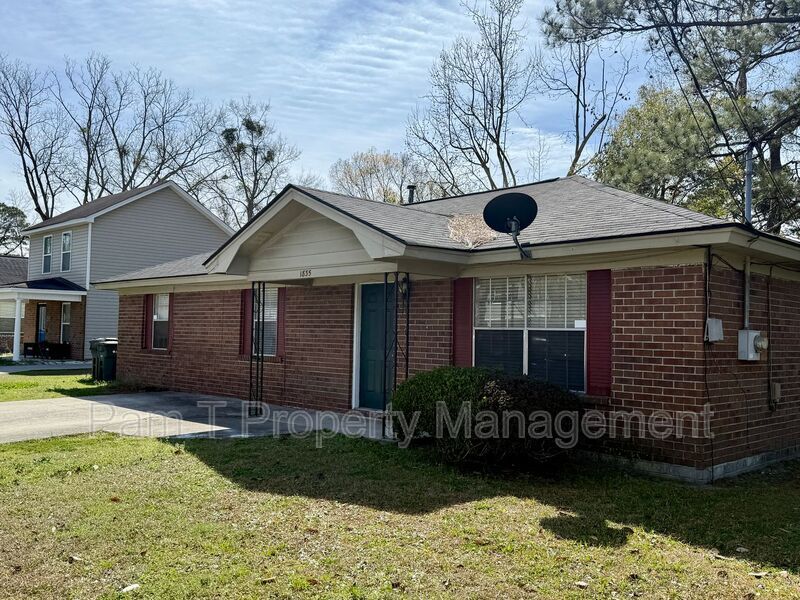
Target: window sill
x,y
278,359
157,351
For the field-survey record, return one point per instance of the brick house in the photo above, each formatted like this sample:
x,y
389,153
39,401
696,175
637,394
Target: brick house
x,y
326,301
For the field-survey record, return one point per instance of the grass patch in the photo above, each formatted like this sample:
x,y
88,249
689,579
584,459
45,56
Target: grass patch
x,y
35,385
86,516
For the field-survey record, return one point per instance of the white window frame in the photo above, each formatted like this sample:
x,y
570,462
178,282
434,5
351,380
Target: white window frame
x,y
256,351
526,329
71,239
44,254
68,322
157,320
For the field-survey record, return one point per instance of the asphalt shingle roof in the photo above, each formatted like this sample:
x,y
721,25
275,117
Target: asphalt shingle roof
x,y
13,269
51,283
183,267
571,209
94,207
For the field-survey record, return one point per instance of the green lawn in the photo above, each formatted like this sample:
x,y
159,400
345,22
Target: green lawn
x,y
34,385
87,516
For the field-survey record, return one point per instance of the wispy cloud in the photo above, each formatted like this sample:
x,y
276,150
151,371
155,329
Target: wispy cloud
x,y
342,75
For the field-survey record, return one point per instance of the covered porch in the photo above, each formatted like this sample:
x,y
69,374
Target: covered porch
x,y
43,311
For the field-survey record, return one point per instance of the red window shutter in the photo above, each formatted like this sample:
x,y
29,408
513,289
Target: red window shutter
x,y
281,351
598,332
147,321
246,322
462,322
171,325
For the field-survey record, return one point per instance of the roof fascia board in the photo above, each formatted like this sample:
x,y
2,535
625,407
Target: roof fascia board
x,y
654,241
758,242
28,294
65,225
174,280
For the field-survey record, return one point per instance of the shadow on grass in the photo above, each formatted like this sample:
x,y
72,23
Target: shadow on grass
x,y
601,504
86,386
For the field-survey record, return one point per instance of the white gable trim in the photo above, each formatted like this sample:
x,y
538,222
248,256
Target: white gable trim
x,y
378,246
166,185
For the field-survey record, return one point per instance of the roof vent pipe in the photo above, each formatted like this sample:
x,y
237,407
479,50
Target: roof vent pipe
x,y
411,189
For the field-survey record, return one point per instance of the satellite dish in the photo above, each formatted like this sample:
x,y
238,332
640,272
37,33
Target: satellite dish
x,y
511,213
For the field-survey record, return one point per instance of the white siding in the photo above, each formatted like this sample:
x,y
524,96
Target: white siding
x,y
315,241
77,272
157,228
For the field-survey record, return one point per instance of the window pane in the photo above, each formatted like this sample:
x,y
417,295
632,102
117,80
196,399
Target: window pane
x,y
516,302
160,334
66,260
499,349
482,303
161,307
556,301
576,301
48,245
498,295
7,325
66,334
557,357
66,242
537,305
46,264
66,313
265,322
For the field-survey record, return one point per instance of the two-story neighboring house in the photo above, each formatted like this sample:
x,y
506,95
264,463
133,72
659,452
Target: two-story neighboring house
x,y
112,235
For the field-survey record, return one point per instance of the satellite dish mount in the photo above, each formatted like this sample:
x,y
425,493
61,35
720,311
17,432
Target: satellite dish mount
x,y
511,213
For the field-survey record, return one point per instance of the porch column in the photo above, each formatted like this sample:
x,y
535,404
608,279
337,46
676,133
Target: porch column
x,y
17,329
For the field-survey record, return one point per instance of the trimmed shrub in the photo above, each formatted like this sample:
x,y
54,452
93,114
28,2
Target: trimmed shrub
x,y
477,415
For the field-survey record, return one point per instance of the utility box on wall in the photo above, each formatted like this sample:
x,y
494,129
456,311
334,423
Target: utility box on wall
x,y
751,344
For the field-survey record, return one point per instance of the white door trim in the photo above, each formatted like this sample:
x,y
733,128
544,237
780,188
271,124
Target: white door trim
x,y
356,343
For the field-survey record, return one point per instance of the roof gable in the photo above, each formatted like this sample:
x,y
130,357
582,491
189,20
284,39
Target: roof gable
x,y
96,208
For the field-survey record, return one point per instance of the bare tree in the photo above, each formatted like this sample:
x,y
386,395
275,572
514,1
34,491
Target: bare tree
x,y
255,161
538,156
35,131
379,176
80,96
477,87
154,131
578,71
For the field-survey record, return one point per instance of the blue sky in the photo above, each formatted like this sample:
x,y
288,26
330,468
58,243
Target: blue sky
x,y
341,75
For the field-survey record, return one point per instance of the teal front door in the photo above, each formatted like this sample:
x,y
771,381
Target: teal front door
x,y
374,373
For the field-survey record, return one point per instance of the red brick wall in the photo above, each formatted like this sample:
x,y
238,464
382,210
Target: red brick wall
x,y
743,423
53,326
657,352
316,369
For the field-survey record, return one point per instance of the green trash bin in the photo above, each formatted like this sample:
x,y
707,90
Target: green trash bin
x,y
104,359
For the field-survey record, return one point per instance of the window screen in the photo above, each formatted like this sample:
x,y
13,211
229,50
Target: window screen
x,y
265,322
161,321
533,325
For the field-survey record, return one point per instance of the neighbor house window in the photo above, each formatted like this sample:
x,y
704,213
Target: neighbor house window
x,y
161,321
47,253
66,320
265,322
66,250
534,325
7,313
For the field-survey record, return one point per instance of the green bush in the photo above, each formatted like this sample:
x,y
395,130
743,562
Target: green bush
x,y
487,416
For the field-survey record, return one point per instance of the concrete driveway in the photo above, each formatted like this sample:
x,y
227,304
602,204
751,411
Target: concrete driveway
x,y
169,414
